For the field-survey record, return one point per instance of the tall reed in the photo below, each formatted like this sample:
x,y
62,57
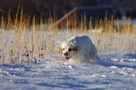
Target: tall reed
x,y
34,42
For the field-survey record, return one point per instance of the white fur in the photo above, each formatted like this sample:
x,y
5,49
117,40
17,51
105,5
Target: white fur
x,y
79,49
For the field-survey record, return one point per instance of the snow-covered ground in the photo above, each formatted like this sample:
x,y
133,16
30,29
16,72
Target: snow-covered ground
x,y
114,72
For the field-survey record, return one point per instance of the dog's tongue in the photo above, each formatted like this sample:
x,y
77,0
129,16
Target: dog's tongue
x,y
66,58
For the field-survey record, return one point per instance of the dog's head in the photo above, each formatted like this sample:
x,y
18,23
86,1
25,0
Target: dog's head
x,y
68,49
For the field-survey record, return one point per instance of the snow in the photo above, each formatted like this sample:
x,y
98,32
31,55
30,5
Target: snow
x,y
125,21
113,72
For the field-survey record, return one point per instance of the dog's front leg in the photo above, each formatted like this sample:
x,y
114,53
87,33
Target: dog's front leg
x,y
85,58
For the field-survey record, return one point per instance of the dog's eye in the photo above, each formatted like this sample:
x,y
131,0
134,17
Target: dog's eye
x,y
69,49
63,49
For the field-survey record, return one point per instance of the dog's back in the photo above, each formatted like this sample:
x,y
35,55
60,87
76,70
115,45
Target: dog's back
x,y
81,40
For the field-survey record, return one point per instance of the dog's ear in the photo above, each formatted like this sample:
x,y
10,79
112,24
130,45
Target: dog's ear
x,y
59,47
75,48
60,50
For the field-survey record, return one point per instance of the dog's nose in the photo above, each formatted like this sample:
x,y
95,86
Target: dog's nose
x,y
65,54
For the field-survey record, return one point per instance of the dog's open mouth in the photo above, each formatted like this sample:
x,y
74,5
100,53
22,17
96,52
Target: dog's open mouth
x,y
67,58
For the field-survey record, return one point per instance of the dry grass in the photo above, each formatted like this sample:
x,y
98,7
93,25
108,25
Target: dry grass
x,y
24,42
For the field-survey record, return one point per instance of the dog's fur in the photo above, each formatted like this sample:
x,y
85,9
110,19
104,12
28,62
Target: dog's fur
x,y
79,49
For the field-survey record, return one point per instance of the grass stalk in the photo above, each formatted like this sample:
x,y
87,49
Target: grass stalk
x,y
30,42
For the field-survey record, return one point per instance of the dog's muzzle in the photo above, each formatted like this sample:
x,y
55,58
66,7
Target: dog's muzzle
x,y
67,58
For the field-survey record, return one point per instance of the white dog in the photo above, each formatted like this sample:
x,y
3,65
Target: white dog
x,y
79,49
